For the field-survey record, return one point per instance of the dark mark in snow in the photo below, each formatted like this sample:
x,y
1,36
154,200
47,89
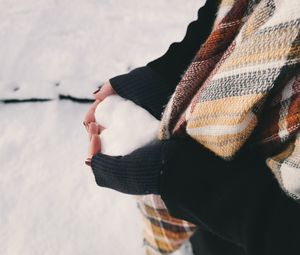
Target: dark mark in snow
x,y
16,88
75,99
13,101
37,100
56,84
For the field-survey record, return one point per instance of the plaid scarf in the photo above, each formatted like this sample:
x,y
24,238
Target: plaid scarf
x,y
244,81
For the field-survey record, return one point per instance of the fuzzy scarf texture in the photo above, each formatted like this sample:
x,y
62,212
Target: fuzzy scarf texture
x,y
242,86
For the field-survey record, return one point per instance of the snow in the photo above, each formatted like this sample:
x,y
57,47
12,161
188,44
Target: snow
x,y
50,203
82,43
136,130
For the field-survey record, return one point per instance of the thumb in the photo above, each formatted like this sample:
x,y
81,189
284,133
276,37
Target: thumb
x,y
94,148
95,145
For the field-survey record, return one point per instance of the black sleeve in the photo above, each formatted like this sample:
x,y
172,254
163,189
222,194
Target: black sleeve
x,y
150,86
239,201
137,173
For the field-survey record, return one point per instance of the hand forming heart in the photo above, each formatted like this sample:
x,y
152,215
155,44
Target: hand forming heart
x,y
126,127
92,127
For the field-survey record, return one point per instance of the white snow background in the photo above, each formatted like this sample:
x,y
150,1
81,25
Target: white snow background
x,y
49,201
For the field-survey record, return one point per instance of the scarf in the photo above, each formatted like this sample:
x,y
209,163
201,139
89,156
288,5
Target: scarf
x,y
243,85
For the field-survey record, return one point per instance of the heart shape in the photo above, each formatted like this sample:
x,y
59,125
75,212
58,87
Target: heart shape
x,y
127,126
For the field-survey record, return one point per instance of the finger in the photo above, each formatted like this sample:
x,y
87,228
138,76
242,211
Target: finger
x,y
105,91
93,128
97,90
88,119
98,94
90,116
95,146
88,161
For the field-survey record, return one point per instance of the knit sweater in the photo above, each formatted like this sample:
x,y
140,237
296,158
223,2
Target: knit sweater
x,y
245,206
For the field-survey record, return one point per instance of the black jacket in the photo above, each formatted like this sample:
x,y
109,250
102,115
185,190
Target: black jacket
x,y
238,206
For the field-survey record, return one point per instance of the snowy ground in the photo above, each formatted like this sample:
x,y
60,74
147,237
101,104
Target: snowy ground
x,y
49,202
81,43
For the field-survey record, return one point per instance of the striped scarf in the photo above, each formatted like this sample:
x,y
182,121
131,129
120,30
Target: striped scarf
x,y
244,81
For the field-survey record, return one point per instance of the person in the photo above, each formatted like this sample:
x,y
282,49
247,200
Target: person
x,y
237,205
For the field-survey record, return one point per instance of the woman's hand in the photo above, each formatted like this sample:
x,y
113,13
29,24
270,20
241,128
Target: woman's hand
x,y
95,144
90,124
99,95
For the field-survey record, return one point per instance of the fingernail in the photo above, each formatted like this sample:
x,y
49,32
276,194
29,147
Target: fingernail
x,y
88,161
96,91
